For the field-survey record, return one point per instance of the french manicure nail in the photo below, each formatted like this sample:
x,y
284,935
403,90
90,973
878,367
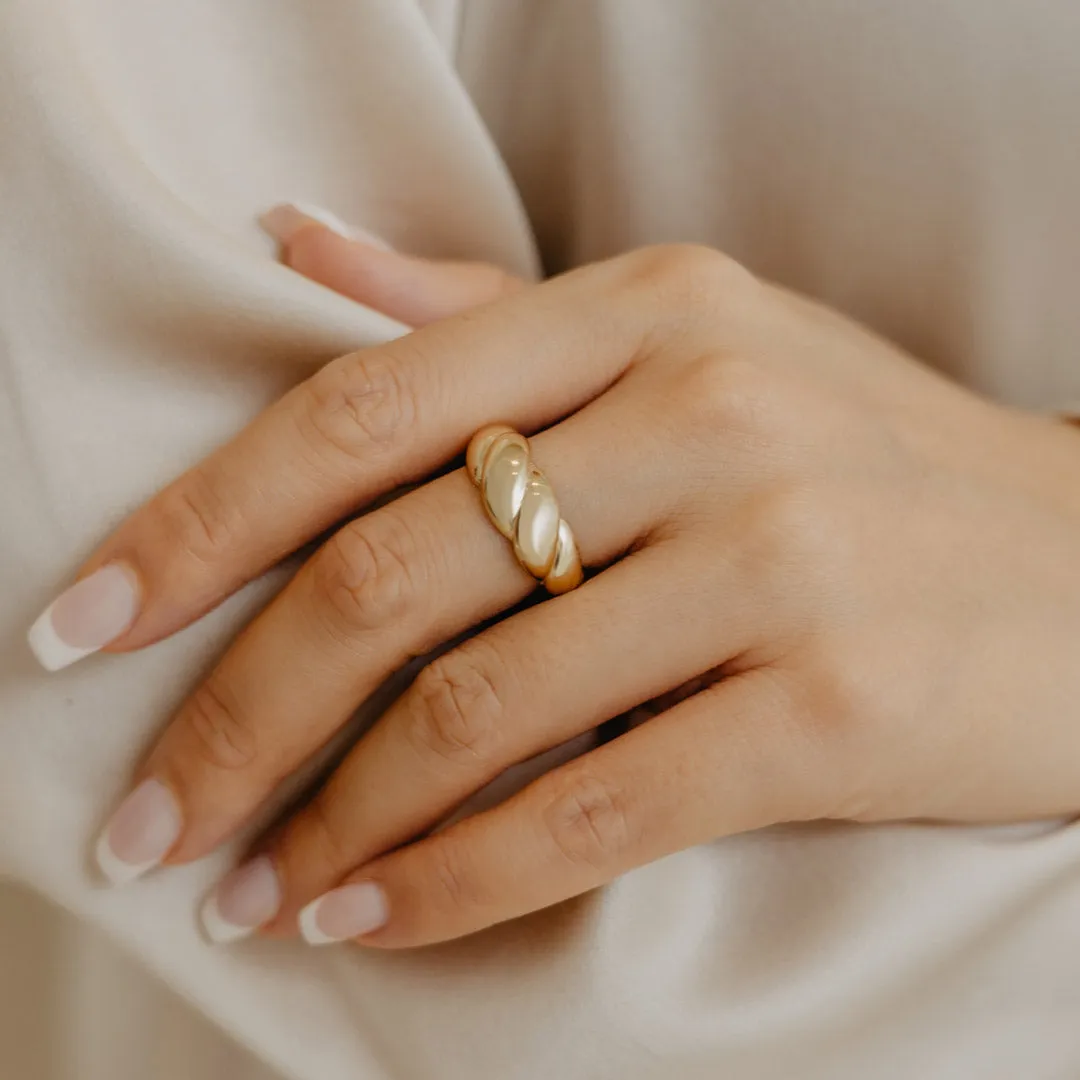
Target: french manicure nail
x,y
343,913
138,836
86,617
242,902
283,221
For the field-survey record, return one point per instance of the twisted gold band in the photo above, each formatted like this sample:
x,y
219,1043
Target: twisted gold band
x,y
521,504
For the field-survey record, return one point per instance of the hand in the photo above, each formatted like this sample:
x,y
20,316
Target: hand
x,y
869,571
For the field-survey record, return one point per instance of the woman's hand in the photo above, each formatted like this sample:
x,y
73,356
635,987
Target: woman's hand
x,y
871,574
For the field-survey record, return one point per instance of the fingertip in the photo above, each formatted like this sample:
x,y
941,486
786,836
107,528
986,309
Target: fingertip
x,y
50,651
308,923
348,912
286,220
245,900
217,929
89,615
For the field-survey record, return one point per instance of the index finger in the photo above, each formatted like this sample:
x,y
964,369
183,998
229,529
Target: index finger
x,y
362,426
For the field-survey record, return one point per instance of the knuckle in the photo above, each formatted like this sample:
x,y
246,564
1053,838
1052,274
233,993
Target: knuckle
x,y
843,698
728,394
458,710
197,519
693,276
789,760
361,406
364,574
797,531
821,763
220,735
589,823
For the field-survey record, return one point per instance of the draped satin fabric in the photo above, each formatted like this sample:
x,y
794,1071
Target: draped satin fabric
x,y
915,164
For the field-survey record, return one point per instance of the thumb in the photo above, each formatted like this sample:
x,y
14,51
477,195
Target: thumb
x,y
413,290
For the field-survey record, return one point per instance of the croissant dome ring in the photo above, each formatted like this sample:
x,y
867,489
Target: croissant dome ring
x,y
521,504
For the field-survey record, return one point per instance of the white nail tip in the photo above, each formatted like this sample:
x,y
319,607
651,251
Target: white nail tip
x,y
218,929
51,651
114,870
309,928
335,224
324,217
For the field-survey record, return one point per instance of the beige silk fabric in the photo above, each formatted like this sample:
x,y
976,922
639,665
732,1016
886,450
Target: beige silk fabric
x,y
916,164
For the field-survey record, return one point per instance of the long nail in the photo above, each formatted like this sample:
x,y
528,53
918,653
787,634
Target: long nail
x,y
347,912
242,902
139,835
285,220
85,617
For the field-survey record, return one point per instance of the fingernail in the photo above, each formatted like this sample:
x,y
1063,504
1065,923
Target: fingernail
x,y
86,617
140,833
344,913
242,901
283,222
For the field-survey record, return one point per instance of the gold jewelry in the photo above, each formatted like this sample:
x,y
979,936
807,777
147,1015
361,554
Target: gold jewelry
x,y
521,504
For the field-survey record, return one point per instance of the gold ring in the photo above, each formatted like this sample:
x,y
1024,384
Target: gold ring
x,y
521,504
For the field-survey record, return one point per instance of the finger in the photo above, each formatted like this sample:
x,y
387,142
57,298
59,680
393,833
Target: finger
x,y
522,687
726,760
413,290
385,588
362,426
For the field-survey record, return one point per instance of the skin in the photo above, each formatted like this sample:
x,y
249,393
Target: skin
x,y
862,576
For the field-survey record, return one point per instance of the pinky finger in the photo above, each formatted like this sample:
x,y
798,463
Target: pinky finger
x,y
720,762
